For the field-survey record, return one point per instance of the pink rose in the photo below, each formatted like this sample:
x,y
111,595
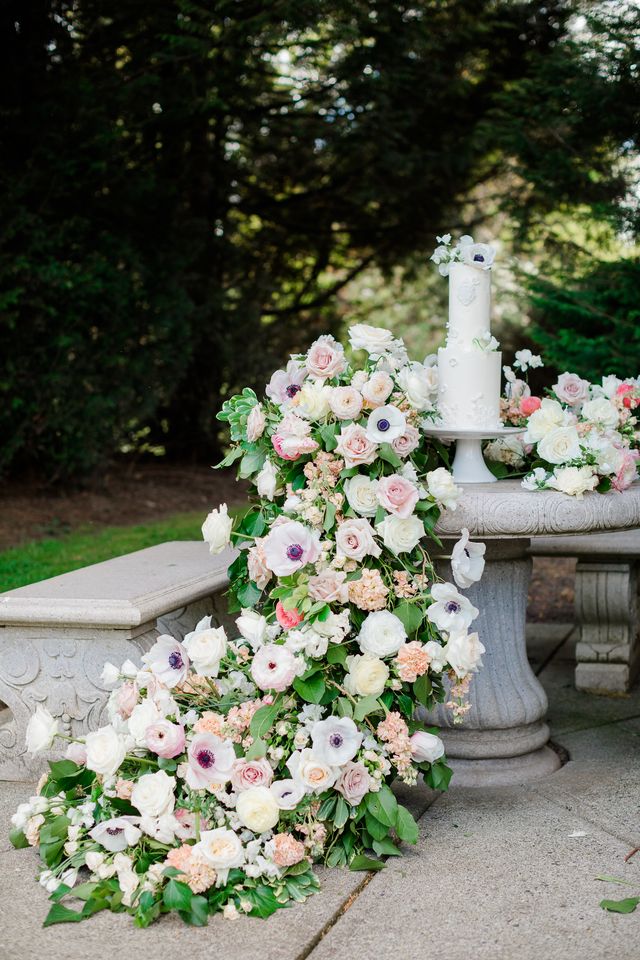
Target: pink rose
x,y
165,738
408,442
289,546
345,403
251,773
326,358
287,618
354,782
377,389
126,699
397,495
274,667
77,752
571,388
354,539
628,471
529,405
255,423
355,447
329,585
291,439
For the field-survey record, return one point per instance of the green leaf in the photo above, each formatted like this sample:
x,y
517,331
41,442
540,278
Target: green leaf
x,y
18,839
377,830
263,719
251,463
410,614
64,768
620,906
198,916
177,896
406,826
341,815
383,806
365,863
387,453
263,899
327,807
438,776
257,750
61,914
329,517
168,764
337,654
422,690
365,706
345,709
328,432
386,848
248,594
311,690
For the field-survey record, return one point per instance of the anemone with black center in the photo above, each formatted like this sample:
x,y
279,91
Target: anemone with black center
x,y
206,758
175,660
294,551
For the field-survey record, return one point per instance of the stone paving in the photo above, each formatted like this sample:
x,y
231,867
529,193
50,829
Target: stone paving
x,y
498,874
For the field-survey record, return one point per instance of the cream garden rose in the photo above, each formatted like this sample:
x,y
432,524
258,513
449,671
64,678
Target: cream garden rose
x,y
401,535
257,809
367,675
361,493
105,751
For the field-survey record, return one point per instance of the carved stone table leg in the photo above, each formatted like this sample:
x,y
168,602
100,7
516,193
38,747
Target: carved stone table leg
x,y
503,738
608,652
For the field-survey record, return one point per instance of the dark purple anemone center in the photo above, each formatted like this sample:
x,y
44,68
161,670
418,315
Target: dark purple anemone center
x,y
383,425
205,758
452,607
115,831
175,660
294,551
478,258
292,389
336,740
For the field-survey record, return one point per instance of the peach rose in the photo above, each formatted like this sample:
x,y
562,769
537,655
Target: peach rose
x,y
377,389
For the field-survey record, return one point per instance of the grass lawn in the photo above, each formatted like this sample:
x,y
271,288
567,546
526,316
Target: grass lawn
x,y
47,558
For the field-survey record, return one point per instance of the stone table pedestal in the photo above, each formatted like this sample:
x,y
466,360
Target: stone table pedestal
x,y
504,737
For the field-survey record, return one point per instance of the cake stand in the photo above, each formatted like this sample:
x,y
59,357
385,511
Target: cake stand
x,y
468,463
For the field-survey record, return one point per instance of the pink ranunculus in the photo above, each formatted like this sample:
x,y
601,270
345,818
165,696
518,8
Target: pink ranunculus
x,y
330,586
355,447
408,442
289,546
354,539
287,618
397,495
257,566
126,699
354,782
529,405
164,738
210,761
284,384
628,472
345,403
326,358
571,389
256,422
274,667
251,773
77,752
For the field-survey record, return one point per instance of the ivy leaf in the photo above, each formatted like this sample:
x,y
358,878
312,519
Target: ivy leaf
x,y
406,826
386,848
410,614
61,914
620,906
311,690
262,720
365,863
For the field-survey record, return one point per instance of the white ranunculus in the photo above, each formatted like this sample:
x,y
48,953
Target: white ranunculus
x,y
258,809
105,751
385,424
142,716
367,675
601,411
375,340
426,747
313,773
381,634
153,794
420,384
221,848
216,529
206,646
41,731
574,481
442,488
335,740
549,415
401,536
467,561
267,480
451,611
464,652
312,401
252,627
361,495
437,654
560,445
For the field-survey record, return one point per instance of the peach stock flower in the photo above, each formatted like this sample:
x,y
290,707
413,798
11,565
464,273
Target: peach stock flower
x,y
412,661
197,875
369,592
287,850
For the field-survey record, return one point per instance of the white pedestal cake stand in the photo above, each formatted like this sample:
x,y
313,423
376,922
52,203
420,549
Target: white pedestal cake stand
x,y
468,463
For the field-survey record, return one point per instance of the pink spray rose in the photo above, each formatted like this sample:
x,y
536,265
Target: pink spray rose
x,y
291,439
628,471
257,565
77,752
126,699
164,738
251,773
287,618
572,389
529,405
326,358
397,495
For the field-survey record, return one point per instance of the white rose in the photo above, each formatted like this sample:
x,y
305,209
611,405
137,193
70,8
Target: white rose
x,y
367,675
354,539
381,634
314,774
216,529
601,411
257,809
105,751
41,731
442,488
361,494
375,340
267,480
574,481
420,384
153,794
401,536
206,646
221,848
312,401
560,445
464,653
142,716
252,627
110,674
549,415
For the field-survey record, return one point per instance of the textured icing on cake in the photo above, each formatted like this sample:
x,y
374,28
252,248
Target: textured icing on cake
x,y
468,375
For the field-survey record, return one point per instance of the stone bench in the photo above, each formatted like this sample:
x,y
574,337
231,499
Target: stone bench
x,y
606,605
56,635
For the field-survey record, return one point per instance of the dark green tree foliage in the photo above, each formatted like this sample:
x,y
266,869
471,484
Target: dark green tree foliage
x,y
184,187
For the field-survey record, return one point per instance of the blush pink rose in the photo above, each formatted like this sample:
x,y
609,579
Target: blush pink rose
x,y
529,405
164,738
397,495
326,358
354,782
256,422
408,442
330,586
572,389
287,618
628,471
354,539
377,389
355,447
345,403
251,773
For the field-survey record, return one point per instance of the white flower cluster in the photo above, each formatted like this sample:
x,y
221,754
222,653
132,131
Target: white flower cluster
x,y
479,255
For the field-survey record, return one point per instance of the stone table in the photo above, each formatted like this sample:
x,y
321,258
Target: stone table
x,y
504,737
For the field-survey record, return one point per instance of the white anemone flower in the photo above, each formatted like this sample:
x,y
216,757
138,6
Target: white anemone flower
x,y
385,424
336,740
451,611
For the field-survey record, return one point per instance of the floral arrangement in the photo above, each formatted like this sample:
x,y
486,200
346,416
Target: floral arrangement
x,y
235,758
479,255
579,437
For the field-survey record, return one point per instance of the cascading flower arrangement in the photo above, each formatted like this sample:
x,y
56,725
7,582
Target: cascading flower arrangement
x,y
233,761
579,437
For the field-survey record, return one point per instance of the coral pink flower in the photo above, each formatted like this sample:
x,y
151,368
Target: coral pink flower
x,y
412,661
529,405
287,618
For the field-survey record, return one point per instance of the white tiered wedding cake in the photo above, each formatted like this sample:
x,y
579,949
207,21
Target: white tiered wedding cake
x,y
469,366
